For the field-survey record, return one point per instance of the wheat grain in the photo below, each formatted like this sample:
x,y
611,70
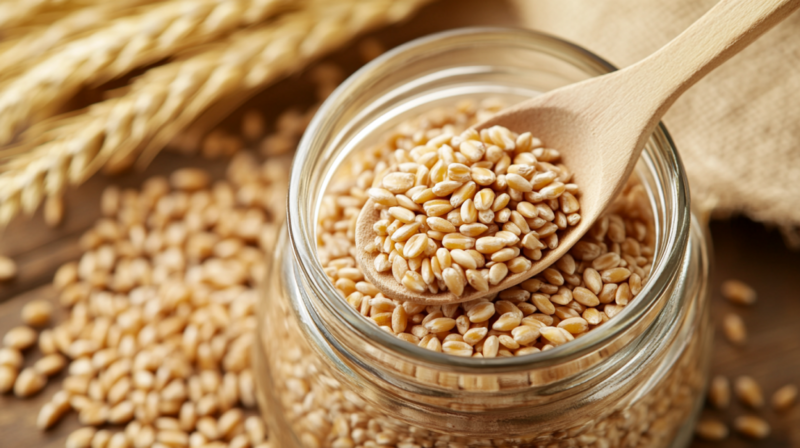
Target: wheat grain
x,y
256,431
738,292
50,364
8,376
37,313
719,392
29,382
784,398
734,329
81,438
752,426
52,411
101,438
748,391
10,357
118,440
53,212
20,338
252,125
165,99
8,269
710,429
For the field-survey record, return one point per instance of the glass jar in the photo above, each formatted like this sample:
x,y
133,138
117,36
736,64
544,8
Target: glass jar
x,y
327,377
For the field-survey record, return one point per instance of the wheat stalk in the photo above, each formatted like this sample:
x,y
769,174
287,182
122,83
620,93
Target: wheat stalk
x,y
24,51
166,98
124,44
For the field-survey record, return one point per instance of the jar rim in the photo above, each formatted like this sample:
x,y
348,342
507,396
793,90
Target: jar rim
x,y
302,223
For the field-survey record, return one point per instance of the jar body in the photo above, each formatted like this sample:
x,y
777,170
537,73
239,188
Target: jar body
x,y
326,380
308,400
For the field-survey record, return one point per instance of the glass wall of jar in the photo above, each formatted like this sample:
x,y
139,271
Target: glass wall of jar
x,y
328,377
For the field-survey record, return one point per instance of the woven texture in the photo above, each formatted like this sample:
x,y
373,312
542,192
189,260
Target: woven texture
x,y
737,130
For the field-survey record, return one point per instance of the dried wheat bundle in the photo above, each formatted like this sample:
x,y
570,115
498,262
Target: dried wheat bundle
x,y
124,44
23,51
166,98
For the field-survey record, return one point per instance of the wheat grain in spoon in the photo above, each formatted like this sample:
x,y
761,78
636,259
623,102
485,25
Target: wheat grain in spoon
x,y
601,125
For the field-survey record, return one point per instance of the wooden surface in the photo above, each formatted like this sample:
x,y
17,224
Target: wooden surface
x,y
743,250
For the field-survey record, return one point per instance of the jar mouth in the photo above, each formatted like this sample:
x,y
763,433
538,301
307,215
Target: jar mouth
x,y
317,158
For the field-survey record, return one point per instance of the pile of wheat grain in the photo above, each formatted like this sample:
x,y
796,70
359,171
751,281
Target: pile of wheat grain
x,y
161,314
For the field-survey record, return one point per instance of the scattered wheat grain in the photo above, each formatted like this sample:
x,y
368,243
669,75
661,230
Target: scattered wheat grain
x,y
29,382
710,429
738,292
37,313
20,338
748,392
8,269
784,398
734,329
752,426
81,438
719,392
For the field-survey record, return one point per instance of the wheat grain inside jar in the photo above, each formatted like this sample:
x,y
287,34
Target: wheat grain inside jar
x,y
607,348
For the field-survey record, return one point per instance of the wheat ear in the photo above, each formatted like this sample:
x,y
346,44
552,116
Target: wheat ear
x,y
166,98
20,13
122,45
22,52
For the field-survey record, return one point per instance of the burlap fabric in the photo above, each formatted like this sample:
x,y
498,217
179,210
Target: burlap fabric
x,y
738,130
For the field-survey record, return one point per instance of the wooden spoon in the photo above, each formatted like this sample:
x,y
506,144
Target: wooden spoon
x,y
601,125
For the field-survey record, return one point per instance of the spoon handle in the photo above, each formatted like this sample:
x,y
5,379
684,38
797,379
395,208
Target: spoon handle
x,y
723,31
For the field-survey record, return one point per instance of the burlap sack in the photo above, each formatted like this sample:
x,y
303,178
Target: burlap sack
x,y
738,130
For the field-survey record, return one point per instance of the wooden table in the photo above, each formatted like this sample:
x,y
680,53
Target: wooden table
x,y
742,249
